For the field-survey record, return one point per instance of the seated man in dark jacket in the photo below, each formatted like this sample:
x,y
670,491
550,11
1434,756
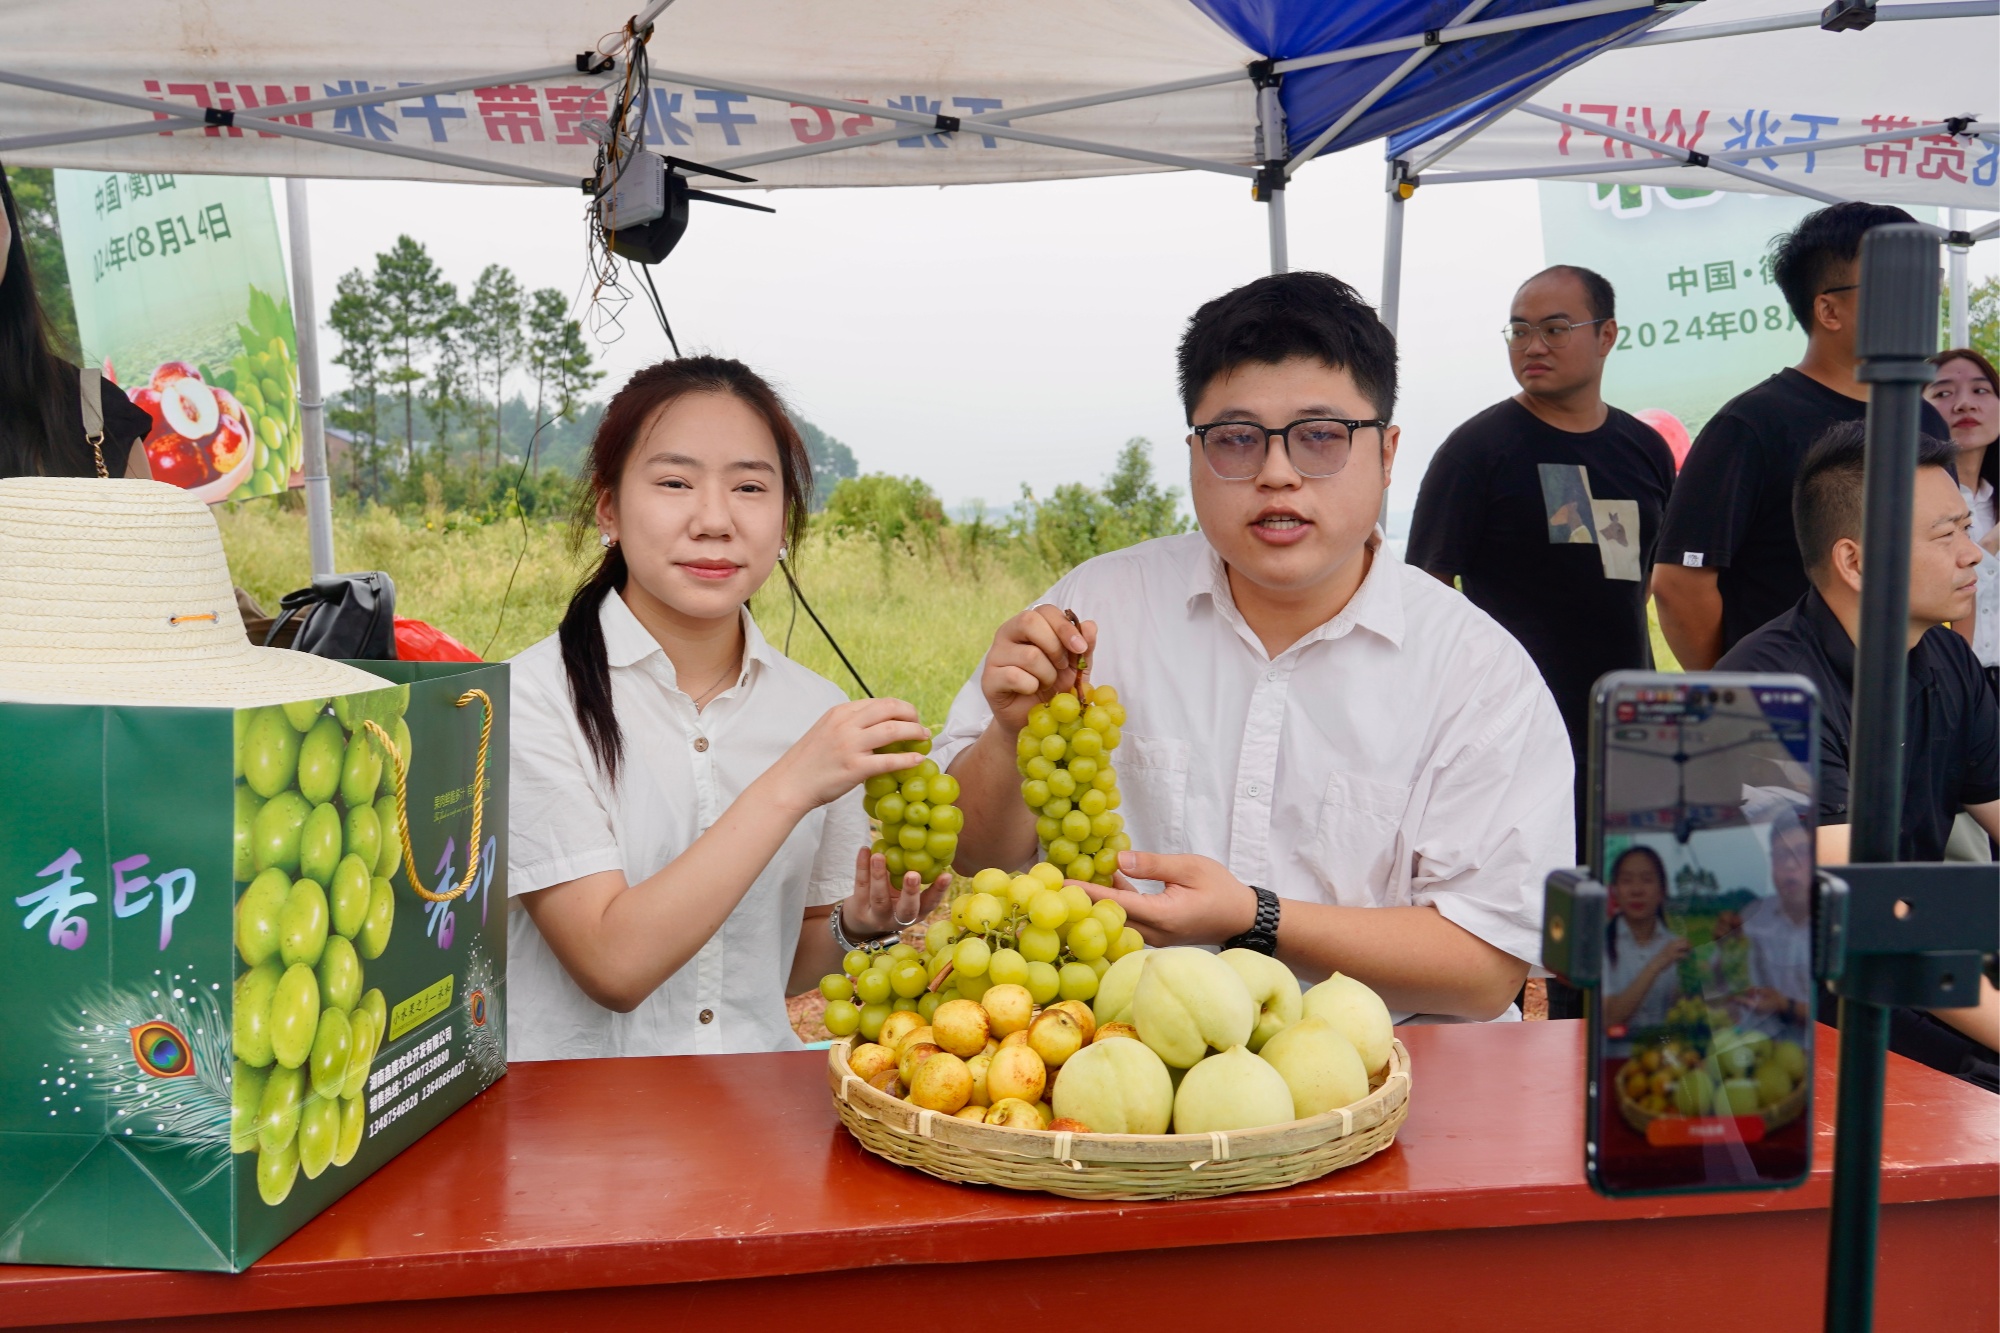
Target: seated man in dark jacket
x,y
1951,756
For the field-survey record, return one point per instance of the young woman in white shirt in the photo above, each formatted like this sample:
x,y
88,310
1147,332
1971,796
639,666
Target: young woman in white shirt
x,y
1641,956
687,846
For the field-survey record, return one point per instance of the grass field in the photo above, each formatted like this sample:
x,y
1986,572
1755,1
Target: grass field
x,y
914,622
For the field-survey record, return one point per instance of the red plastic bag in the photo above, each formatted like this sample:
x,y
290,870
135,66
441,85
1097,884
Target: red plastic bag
x,y
419,642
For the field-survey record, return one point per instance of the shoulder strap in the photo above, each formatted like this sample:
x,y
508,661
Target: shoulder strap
x,y
90,389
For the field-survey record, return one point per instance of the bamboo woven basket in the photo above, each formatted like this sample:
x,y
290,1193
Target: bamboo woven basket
x,y
1774,1116
1121,1166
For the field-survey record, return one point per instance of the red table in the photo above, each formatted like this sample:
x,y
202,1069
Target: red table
x,y
693,1190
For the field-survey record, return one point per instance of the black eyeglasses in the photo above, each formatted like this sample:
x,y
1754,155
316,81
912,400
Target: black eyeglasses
x,y
1317,446
1554,332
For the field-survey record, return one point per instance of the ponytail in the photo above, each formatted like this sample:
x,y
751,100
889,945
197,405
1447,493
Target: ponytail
x,y
587,665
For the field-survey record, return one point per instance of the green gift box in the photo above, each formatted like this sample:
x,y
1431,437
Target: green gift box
x,y
235,984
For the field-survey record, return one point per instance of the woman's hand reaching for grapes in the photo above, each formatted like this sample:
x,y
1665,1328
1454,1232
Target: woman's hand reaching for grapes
x,y
876,907
839,753
1033,658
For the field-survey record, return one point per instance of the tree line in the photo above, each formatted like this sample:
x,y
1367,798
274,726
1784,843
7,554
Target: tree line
x,y
411,347
1049,536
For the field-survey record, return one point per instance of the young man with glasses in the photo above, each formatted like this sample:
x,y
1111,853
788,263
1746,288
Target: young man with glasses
x,y
1326,755
1728,559
1546,506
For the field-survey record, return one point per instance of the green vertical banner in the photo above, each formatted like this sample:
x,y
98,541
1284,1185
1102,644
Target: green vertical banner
x,y
1700,318
180,292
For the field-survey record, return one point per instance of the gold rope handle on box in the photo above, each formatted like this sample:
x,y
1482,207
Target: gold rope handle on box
x,y
403,805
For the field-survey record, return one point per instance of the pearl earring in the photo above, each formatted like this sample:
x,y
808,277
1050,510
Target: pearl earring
x,y
783,551
606,540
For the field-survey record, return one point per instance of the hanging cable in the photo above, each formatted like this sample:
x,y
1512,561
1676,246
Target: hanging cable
x,y
831,641
646,272
521,509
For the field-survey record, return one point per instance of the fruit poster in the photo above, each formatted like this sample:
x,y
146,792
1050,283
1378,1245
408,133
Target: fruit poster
x,y
180,293
228,1001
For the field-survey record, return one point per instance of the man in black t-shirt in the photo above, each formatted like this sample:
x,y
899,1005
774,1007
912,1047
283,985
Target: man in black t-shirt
x,y
1951,748
1728,558
1545,507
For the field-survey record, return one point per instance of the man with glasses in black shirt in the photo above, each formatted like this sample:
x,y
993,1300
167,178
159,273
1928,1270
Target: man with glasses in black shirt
x,y
1545,506
1728,559
1951,751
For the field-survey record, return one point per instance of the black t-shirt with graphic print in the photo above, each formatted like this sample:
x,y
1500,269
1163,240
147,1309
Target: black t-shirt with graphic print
x,y
1551,533
1732,511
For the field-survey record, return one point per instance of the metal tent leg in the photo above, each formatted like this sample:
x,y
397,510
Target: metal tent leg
x,y
312,409
1275,215
1392,250
1955,257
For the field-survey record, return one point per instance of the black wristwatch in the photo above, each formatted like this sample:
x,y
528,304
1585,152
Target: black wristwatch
x,y
1263,933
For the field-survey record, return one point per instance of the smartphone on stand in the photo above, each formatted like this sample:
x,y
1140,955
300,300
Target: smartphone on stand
x,y
1703,801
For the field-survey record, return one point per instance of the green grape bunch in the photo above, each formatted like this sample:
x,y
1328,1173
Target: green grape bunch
x,y
1064,757
920,820
265,379
1031,930
317,842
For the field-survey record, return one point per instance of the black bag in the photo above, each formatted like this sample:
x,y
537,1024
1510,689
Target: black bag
x,y
342,615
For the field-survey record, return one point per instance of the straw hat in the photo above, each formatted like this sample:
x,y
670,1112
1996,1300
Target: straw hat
x,y
117,592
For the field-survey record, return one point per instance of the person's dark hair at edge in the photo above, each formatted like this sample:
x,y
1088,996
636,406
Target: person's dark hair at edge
x,y
1274,319
625,419
1803,259
1659,868
35,383
1596,288
1826,497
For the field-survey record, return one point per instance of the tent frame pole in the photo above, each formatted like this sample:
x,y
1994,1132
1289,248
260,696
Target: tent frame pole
x,y
1944,9
273,125
1540,18
180,111
1739,155
312,407
929,123
1683,154
1272,147
1399,192
1382,89
968,124
1955,283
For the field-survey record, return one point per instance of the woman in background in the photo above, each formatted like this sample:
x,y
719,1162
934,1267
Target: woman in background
x,y
1641,956
41,406
1966,394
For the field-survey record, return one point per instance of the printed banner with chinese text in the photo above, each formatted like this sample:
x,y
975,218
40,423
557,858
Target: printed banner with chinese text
x,y
1700,319
180,292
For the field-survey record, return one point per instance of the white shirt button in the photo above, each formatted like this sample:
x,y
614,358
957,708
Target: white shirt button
x,y
1252,790
701,745
1271,675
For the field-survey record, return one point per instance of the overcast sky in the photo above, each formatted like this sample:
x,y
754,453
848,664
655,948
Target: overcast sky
x,y
985,336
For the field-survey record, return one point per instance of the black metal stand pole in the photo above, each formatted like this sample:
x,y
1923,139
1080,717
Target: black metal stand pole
x,y
1897,329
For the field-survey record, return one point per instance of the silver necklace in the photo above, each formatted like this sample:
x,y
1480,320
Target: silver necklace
x,y
702,699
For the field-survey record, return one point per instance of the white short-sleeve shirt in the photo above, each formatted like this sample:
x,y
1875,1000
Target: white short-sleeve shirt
x,y
1405,752
681,770
1633,956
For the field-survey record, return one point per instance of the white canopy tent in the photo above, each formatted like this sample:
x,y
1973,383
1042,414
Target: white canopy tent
x,y
842,93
